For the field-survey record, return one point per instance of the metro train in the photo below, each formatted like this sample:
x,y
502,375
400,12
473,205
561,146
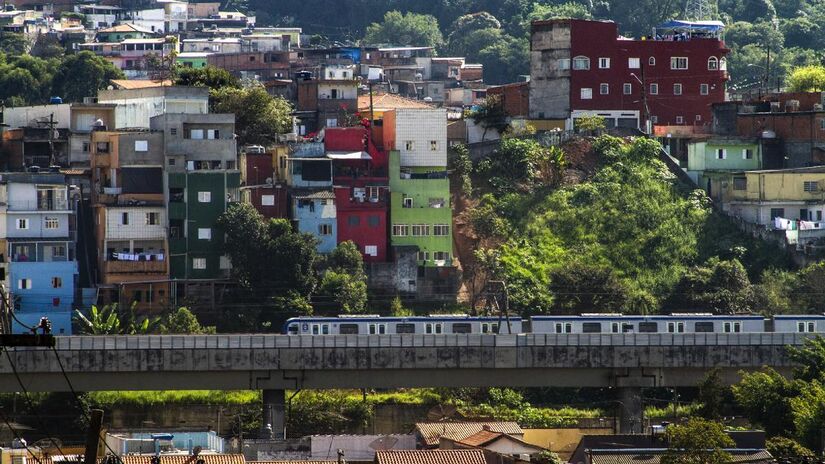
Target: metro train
x,y
582,324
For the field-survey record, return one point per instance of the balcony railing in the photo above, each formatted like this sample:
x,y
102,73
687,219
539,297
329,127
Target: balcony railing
x,y
39,205
136,267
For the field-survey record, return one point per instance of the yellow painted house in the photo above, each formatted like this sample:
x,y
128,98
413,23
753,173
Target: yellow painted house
x,y
760,196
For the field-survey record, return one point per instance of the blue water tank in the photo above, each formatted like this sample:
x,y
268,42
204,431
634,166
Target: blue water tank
x,y
55,101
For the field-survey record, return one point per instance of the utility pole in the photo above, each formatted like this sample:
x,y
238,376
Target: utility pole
x,y
93,436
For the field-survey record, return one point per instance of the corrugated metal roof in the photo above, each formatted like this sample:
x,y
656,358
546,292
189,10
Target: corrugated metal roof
x,y
431,431
316,195
128,84
456,456
654,456
185,459
388,101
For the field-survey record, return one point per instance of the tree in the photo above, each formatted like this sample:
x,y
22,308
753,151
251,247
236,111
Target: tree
x,y
764,397
210,76
405,29
348,259
461,166
471,33
782,448
82,75
810,282
578,288
491,115
720,286
397,308
591,125
14,44
808,409
505,59
809,359
182,321
697,442
712,396
344,280
807,79
114,320
775,293
259,117
270,261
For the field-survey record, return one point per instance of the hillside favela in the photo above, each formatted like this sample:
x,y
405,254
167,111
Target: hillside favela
x,y
412,232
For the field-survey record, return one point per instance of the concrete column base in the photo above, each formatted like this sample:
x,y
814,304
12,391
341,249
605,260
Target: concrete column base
x,y
273,419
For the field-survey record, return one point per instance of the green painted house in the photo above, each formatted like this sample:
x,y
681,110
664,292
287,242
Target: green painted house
x,y
192,59
420,211
723,154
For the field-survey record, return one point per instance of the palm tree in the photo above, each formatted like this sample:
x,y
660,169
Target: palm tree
x,y
110,321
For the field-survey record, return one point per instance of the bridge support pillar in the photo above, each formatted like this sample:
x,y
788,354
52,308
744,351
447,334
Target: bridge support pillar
x,y
273,419
630,410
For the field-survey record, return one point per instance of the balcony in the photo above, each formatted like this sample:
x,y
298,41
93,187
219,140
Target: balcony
x,y
39,205
134,267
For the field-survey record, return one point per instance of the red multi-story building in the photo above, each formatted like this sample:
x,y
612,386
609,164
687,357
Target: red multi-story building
x,y
261,187
361,186
581,68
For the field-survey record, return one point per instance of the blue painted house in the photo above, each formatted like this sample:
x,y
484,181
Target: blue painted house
x,y
40,239
315,214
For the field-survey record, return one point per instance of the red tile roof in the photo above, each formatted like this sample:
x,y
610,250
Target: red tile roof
x,y
455,456
482,438
184,459
388,101
431,431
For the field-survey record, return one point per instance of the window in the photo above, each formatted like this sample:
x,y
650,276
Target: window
x,y
713,63
407,202
732,327
441,230
565,327
86,147
704,89
198,263
462,328
348,329
747,154
648,327
740,183
441,256
371,250
409,145
377,329
213,134
698,117
586,94
677,89
811,326
680,120
723,64
591,327
172,161
204,234
354,221
678,62
400,230
332,122
57,282
490,327
152,219
420,230
59,251
324,229
433,145
433,328
604,89
405,328
721,153
22,223
822,124
373,221
581,63
627,88
173,131
51,223
654,119
654,89
423,255
563,64
703,327
204,197
676,327
267,200
141,145
651,61
810,186
777,212
24,284
124,219
196,134
633,63
604,63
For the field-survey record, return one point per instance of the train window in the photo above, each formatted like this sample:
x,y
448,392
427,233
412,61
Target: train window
x,y
592,327
732,327
348,329
676,327
648,327
491,327
806,327
379,329
494,327
703,327
614,327
626,328
292,329
433,328
559,327
800,326
405,328
324,329
812,327
316,329
462,328
737,327
568,327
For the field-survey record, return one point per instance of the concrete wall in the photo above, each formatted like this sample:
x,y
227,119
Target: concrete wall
x,y
259,362
137,229
549,86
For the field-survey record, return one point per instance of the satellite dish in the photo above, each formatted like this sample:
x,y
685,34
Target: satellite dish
x,y
383,443
441,412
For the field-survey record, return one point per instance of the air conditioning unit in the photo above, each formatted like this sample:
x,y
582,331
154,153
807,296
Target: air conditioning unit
x,y
792,105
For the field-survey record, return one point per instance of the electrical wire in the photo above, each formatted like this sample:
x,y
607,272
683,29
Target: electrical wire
x,y
29,401
19,438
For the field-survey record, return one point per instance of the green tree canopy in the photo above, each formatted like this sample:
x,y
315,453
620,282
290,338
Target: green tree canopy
x,y
579,288
82,75
210,76
765,399
259,117
807,79
787,449
697,442
182,321
405,29
115,320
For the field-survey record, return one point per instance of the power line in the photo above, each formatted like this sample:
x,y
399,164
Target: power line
x,y
17,436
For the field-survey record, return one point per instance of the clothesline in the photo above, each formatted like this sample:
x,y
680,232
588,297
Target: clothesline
x,y
138,256
780,223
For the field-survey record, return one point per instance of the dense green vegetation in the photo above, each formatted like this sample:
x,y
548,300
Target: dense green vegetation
x,y
767,38
627,236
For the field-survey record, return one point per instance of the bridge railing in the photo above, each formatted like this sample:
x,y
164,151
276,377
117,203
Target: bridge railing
x,y
258,341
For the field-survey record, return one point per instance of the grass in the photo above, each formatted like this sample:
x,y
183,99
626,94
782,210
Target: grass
x,y
666,412
172,397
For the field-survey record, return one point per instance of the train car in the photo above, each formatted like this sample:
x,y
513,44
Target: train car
x,y
674,323
813,323
376,325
